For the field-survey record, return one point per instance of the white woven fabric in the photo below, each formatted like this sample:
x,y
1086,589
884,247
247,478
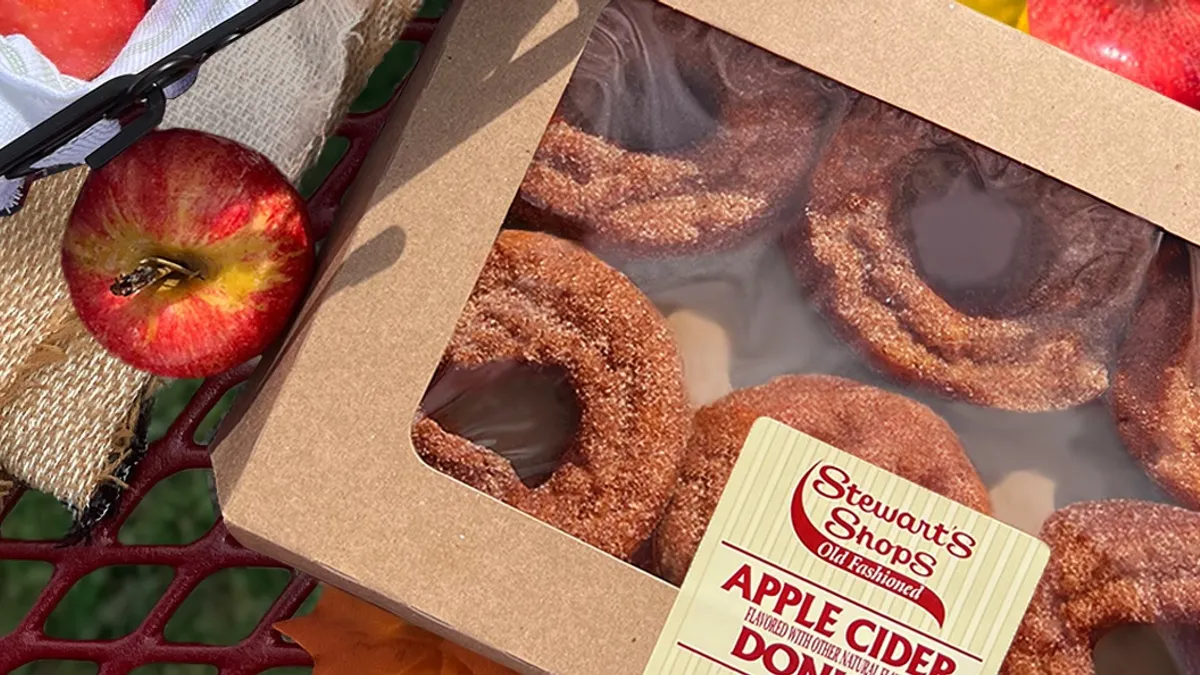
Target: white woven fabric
x,y
32,89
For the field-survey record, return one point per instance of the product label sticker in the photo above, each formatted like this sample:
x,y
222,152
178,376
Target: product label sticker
x,y
818,563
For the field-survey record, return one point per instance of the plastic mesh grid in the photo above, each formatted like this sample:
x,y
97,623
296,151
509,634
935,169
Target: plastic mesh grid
x,y
212,553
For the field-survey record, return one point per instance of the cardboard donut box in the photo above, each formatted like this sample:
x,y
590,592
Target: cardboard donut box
x,y
316,466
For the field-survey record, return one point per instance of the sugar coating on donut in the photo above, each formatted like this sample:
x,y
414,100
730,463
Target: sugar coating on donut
x,y
888,430
1112,563
1154,397
674,137
543,301
1038,337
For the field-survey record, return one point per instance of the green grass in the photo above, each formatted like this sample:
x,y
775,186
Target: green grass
x,y
111,602
433,8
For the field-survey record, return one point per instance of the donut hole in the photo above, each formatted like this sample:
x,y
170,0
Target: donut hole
x,y
970,245
631,88
1141,649
528,414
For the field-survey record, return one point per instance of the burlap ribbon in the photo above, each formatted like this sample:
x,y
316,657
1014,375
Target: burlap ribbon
x,y
72,418
283,88
66,407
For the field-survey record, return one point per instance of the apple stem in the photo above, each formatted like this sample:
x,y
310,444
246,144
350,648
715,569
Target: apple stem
x,y
149,272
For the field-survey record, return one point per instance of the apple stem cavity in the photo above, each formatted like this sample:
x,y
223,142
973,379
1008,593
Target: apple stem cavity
x,y
151,271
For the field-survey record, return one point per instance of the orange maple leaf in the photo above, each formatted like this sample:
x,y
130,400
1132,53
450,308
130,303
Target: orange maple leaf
x,y
346,636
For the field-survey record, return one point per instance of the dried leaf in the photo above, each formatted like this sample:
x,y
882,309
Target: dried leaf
x,y
346,636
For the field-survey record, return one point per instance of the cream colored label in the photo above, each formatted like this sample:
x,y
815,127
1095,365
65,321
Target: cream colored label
x,y
817,563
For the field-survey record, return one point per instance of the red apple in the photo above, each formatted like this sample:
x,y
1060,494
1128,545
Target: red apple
x,y
187,254
81,37
1155,43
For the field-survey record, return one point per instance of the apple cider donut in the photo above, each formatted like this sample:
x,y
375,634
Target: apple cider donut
x,y
1154,396
1099,577
955,268
888,430
545,302
675,138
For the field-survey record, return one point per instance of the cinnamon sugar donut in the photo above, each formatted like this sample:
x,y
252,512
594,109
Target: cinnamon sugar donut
x,y
888,430
1029,318
1100,577
543,302
674,137
1154,396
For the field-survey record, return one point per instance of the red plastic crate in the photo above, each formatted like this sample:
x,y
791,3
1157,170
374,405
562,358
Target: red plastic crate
x,y
263,649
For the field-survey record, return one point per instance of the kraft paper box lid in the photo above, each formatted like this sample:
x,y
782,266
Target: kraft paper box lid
x,y
317,467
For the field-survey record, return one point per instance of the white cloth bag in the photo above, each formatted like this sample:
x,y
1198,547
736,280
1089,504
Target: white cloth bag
x,y
32,89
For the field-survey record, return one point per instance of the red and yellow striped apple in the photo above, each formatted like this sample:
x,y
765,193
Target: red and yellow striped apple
x,y
1155,43
82,38
187,254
